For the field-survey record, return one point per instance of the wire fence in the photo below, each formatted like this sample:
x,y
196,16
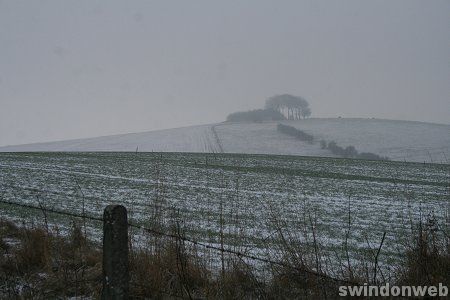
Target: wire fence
x,y
184,239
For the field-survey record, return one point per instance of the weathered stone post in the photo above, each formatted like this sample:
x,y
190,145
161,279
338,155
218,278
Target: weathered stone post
x,y
115,253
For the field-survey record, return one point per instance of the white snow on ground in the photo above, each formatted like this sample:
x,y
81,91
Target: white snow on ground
x,y
185,139
398,140
235,194
263,138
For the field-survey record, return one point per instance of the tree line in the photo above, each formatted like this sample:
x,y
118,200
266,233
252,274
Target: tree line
x,y
350,151
256,115
333,147
301,135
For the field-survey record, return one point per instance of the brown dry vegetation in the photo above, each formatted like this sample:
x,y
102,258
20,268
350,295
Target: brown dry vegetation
x,y
36,263
428,259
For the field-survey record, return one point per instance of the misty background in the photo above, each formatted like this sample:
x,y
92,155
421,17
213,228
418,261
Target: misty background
x,y
73,69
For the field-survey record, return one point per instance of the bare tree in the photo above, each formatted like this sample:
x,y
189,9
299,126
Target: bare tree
x,y
293,107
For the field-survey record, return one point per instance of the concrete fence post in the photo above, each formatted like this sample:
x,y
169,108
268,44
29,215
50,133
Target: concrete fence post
x,y
115,253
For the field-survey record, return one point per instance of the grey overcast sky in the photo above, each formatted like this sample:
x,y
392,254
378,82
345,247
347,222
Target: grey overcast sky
x,y
72,69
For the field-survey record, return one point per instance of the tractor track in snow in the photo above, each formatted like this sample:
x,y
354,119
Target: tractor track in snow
x,y
216,138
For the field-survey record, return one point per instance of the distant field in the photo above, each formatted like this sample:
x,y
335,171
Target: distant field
x,y
398,140
239,193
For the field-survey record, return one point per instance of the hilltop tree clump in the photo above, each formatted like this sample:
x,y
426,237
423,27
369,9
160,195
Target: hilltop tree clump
x,y
256,115
292,107
278,108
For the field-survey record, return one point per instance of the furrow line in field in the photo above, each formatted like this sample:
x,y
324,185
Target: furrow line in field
x,y
143,180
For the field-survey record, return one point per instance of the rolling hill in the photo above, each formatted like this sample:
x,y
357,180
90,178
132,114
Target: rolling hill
x,y
398,140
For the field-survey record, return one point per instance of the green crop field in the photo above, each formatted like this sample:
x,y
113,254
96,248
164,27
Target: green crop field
x,y
239,200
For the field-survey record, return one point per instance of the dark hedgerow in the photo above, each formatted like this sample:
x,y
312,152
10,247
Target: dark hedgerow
x,y
301,135
348,152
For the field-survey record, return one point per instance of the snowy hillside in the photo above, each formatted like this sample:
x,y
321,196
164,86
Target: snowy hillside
x,y
398,140
185,139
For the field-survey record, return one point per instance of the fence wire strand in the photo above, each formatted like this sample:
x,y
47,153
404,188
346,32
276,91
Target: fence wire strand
x,y
185,239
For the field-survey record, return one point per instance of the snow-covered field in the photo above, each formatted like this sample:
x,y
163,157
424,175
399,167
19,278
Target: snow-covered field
x,y
240,193
185,139
398,140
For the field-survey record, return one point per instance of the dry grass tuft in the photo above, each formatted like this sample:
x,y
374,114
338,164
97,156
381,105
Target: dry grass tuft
x,y
428,259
